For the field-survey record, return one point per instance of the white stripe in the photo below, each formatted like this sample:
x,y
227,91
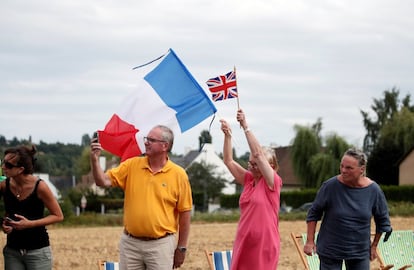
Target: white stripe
x,y
144,109
224,260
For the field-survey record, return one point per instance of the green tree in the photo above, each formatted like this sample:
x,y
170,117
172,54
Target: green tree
x,y
86,140
321,165
326,163
204,181
384,109
386,139
2,140
399,130
395,139
305,145
335,147
315,158
58,158
82,163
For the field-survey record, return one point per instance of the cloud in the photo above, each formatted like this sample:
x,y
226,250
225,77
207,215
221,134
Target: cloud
x,y
66,66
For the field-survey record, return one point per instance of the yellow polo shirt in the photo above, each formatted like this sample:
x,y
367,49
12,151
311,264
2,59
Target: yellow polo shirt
x,y
152,200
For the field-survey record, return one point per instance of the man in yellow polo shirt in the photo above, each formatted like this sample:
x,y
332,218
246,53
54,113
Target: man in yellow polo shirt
x,y
157,204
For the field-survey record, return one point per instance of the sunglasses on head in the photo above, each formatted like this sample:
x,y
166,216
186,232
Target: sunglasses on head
x,y
8,165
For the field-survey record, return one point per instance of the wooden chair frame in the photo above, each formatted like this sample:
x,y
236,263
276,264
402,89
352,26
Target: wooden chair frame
x,y
398,251
209,256
298,241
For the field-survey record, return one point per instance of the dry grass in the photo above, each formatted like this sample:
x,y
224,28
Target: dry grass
x,y
80,248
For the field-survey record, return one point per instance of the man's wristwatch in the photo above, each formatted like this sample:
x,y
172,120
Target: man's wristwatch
x,y
182,249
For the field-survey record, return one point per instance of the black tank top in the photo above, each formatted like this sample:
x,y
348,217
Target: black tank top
x,y
32,208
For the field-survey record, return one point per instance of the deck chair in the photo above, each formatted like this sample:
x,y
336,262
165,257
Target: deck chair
x,y
398,251
108,265
219,260
309,262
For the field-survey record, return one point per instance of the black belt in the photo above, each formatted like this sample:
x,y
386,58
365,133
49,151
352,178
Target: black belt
x,y
145,238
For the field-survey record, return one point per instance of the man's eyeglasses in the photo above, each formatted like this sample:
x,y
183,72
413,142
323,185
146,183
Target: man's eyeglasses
x,y
152,140
8,165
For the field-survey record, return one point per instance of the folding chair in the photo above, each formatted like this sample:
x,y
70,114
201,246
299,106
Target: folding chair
x,y
398,251
108,265
219,260
309,262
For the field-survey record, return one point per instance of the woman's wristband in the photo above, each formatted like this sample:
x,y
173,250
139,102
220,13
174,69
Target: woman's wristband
x,y
246,130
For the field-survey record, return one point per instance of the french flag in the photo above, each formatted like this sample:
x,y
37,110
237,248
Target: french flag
x,y
167,95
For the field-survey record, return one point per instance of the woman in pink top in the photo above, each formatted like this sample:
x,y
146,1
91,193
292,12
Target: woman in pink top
x,y
257,243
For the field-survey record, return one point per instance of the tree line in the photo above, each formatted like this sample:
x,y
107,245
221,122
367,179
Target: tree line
x,y
389,136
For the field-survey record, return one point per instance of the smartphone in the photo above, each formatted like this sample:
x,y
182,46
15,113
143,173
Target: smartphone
x,y
95,137
8,219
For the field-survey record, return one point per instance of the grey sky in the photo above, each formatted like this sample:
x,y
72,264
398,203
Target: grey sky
x,y
65,66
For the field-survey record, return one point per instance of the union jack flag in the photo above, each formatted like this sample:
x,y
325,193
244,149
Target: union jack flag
x,y
223,86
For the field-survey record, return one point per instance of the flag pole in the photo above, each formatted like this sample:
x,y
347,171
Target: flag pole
x,y
238,103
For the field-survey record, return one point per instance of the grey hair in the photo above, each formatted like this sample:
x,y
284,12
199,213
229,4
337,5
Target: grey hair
x,y
167,135
358,155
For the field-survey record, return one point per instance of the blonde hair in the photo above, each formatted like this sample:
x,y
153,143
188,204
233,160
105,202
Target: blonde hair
x,y
271,157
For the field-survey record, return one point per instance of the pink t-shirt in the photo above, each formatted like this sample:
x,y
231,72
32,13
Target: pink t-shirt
x,y
257,243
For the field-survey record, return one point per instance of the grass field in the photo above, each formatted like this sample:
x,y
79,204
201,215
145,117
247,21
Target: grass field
x,y
79,248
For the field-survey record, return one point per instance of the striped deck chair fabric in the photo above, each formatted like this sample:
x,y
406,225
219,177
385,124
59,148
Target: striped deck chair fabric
x,y
108,265
219,260
398,250
309,262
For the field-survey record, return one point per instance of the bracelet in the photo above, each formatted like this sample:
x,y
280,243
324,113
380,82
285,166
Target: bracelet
x,y
246,130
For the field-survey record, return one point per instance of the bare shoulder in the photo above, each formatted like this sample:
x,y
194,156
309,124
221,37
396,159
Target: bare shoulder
x,y
368,181
43,187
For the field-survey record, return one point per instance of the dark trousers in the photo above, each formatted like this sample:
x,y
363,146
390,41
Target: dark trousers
x,y
334,264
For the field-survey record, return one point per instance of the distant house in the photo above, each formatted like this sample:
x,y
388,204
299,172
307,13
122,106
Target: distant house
x,y
286,172
291,181
52,187
88,181
406,169
208,156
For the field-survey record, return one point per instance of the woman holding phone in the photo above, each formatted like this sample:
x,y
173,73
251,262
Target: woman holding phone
x,y
25,198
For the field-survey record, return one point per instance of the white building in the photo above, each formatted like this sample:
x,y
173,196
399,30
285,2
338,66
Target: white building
x,y
45,177
208,156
